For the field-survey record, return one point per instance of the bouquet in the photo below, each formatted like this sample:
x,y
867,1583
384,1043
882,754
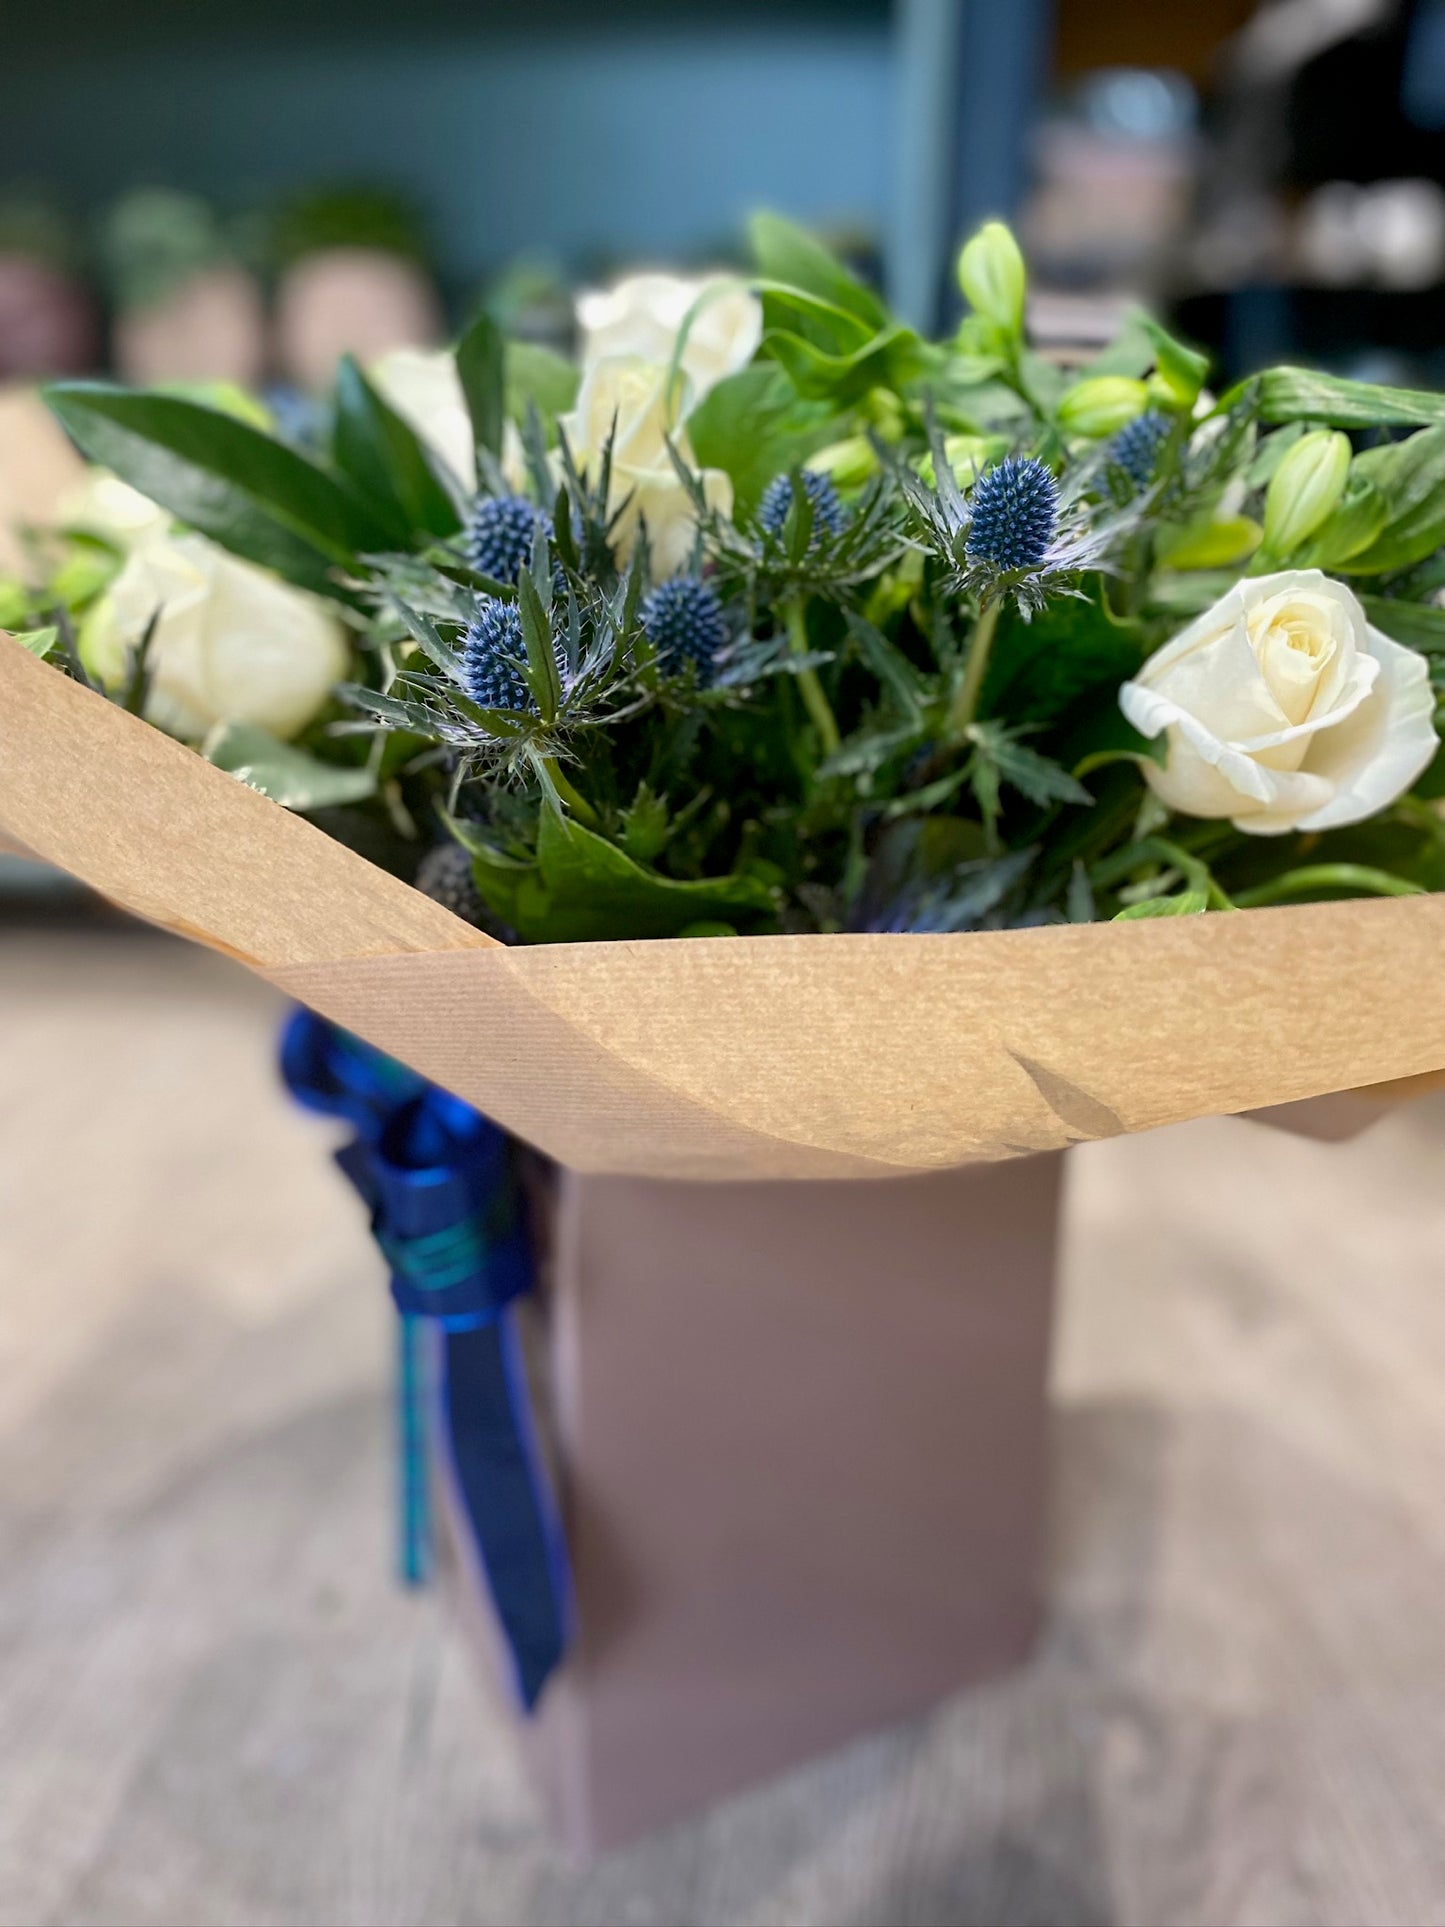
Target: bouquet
x,y
928,663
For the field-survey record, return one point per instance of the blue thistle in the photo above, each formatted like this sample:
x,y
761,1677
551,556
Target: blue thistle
x,y
829,516
1014,512
494,634
683,620
1137,446
501,533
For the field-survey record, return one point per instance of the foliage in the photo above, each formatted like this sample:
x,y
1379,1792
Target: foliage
x,y
905,727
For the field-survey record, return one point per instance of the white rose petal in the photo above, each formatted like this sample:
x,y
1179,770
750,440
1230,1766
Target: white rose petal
x,y
1284,709
423,386
106,506
631,400
642,316
233,643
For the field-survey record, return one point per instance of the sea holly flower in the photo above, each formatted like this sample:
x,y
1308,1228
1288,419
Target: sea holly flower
x,y
493,651
1137,446
1015,512
1284,709
502,533
1017,533
830,517
683,620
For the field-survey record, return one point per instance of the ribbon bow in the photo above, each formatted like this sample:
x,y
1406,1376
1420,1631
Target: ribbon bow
x,y
437,1178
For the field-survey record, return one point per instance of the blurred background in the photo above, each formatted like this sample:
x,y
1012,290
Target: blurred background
x,y
226,191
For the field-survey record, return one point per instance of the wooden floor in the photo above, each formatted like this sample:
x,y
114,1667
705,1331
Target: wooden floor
x,y
214,1707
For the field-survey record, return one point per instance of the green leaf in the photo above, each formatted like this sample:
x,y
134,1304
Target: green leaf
x,y
889,359
1038,670
785,253
1419,625
1184,369
889,664
481,368
288,776
384,456
1410,475
255,496
1305,395
1189,903
537,377
544,680
753,425
582,888
40,642
1038,778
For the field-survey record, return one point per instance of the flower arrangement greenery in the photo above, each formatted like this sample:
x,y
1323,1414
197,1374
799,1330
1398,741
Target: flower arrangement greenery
x,y
773,616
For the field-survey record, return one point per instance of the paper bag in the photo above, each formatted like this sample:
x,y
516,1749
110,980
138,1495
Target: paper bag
x,y
733,1057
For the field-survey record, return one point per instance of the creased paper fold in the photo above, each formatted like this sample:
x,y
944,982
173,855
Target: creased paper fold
x,y
796,1057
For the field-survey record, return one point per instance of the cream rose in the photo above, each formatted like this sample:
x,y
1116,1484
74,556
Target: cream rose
x,y
645,487
643,315
423,386
106,506
1284,709
233,643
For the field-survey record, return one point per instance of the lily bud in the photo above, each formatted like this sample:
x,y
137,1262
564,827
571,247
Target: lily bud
x,y
848,463
1305,489
1101,405
992,275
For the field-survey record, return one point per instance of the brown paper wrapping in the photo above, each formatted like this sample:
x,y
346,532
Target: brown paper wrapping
x,y
786,1057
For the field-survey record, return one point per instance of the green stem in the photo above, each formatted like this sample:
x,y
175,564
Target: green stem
x,y
1157,849
964,707
1327,876
795,614
576,803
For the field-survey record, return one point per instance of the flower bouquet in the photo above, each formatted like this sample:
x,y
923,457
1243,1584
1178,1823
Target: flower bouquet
x,y
776,621
780,747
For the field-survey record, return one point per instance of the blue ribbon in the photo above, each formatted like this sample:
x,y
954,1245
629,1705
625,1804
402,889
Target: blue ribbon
x,y
437,1178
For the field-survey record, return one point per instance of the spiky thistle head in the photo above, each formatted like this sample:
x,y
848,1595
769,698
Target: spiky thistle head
x,y
1014,511
1137,446
445,874
683,620
491,651
829,515
501,533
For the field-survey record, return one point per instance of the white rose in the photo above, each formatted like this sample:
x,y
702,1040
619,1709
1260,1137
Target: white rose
x,y
1284,709
642,315
233,643
102,504
634,395
424,388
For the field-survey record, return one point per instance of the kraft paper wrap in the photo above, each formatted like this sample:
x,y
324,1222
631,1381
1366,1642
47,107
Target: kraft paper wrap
x,y
786,1057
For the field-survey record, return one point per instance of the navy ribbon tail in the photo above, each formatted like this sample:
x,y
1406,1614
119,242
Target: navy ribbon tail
x,y
438,1180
